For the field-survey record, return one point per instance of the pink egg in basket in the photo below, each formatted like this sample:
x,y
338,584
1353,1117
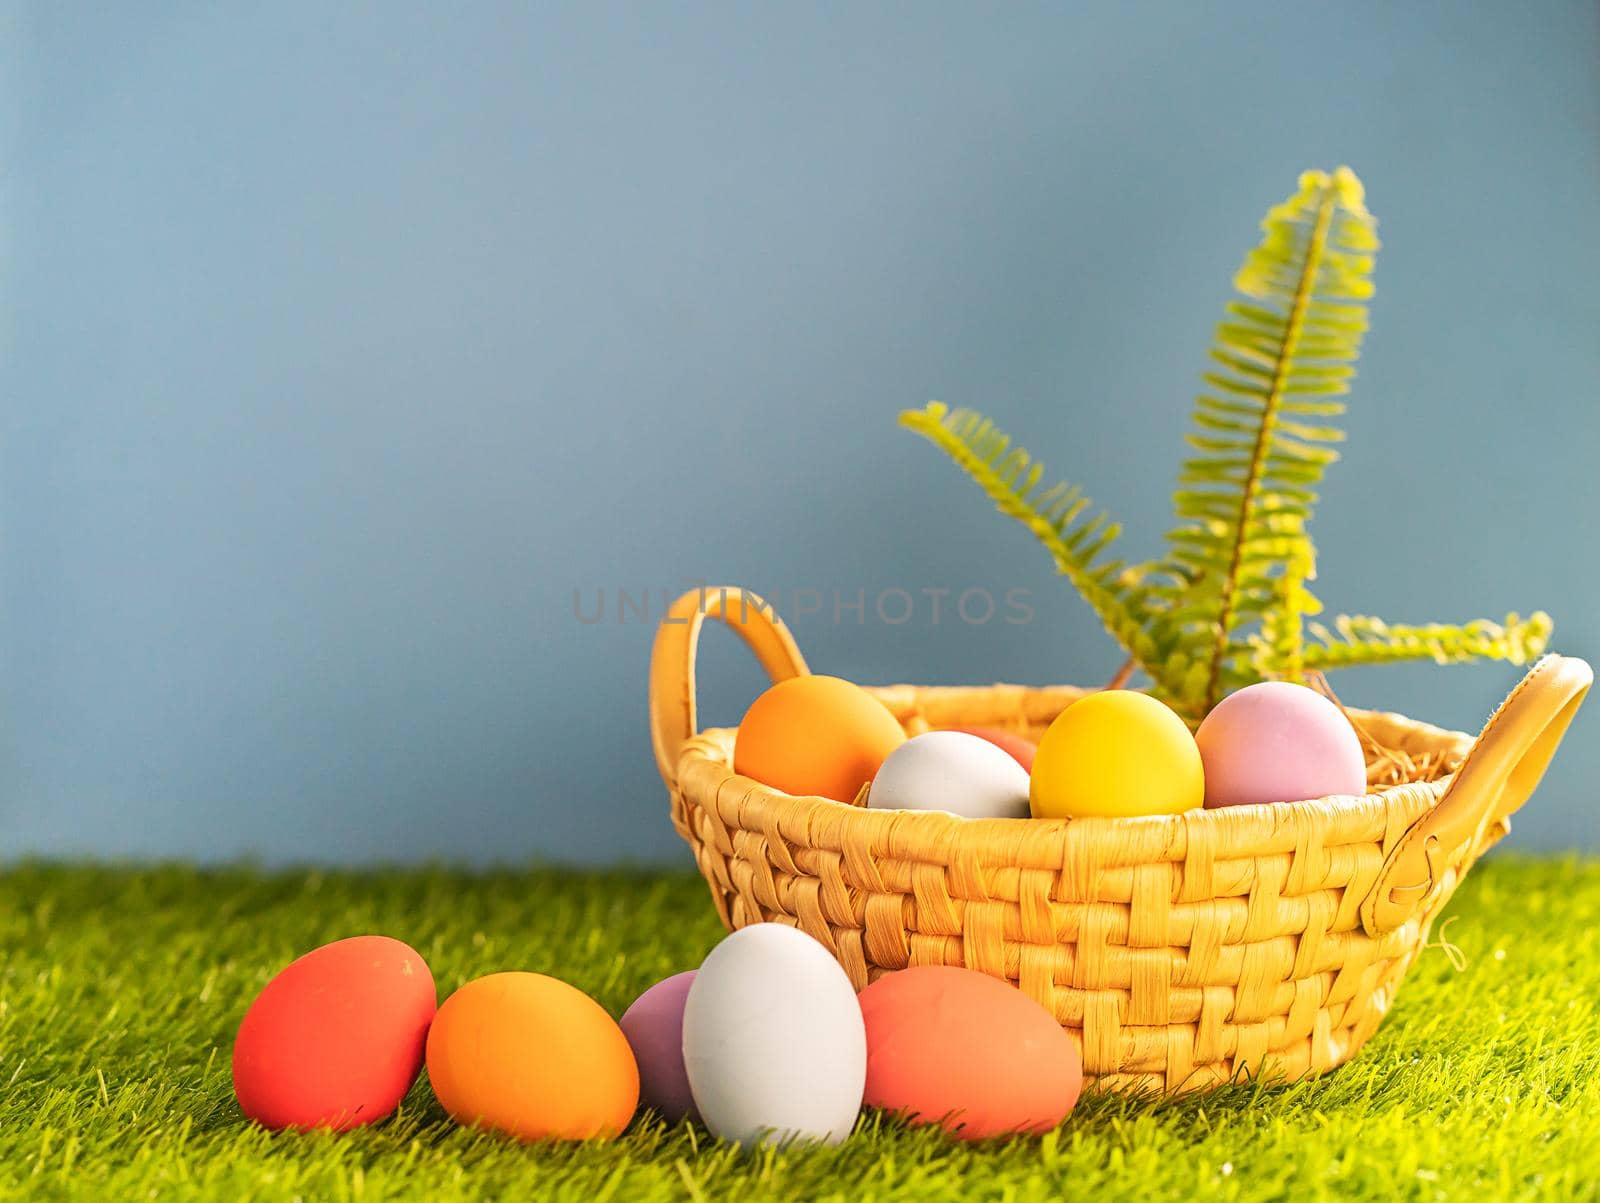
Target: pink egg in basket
x,y
1278,742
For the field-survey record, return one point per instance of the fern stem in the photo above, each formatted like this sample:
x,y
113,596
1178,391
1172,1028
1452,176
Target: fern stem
x,y
1304,288
1123,675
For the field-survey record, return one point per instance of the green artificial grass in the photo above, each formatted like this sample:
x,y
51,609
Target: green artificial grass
x,y
121,989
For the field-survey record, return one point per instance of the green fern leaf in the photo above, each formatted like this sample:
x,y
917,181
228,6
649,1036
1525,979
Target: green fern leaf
x,y
1358,639
1229,603
1278,649
1282,356
1059,517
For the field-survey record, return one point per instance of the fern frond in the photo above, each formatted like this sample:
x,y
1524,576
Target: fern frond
x,y
1228,602
1060,517
1283,355
1278,649
1357,639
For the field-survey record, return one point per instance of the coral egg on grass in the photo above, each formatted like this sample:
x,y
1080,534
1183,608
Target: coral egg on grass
x,y
815,735
968,1052
1116,753
532,1057
336,1039
1276,741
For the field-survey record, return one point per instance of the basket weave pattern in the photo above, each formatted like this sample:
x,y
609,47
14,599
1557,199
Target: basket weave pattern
x,y
1179,951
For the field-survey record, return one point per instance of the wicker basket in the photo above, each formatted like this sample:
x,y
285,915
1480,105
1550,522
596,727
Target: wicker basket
x,y
1180,951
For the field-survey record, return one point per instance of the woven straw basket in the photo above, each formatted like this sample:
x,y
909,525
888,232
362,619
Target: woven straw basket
x,y
1179,951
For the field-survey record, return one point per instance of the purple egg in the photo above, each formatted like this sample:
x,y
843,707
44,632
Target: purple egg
x,y
654,1028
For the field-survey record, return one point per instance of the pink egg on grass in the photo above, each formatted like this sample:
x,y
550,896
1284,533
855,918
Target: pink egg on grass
x,y
1278,742
654,1028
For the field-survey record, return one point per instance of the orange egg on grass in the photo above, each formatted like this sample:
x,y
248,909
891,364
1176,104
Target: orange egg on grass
x,y
532,1057
815,735
335,1040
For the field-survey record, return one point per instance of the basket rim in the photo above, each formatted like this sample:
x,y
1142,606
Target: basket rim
x,y
1248,829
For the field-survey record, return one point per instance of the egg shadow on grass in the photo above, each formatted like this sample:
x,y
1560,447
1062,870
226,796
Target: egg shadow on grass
x,y
1102,1111
876,1124
1098,1112
418,1117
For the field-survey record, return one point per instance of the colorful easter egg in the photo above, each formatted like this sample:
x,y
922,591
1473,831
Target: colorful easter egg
x,y
532,1057
815,735
968,1052
336,1039
1022,750
951,771
1279,742
654,1028
773,1040
1116,752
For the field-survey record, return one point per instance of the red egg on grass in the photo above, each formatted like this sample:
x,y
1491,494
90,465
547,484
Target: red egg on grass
x,y
337,1038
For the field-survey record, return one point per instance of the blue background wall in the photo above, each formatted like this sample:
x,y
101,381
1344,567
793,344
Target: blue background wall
x,y
343,343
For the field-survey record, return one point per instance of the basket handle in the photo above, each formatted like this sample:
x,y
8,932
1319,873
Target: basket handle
x,y
1499,773
672,706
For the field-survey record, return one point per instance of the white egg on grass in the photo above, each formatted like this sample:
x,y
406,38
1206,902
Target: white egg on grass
x,y
773,1040
951,771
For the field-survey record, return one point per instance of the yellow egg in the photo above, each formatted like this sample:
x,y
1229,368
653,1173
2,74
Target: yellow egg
x,y
1114,753
815,735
